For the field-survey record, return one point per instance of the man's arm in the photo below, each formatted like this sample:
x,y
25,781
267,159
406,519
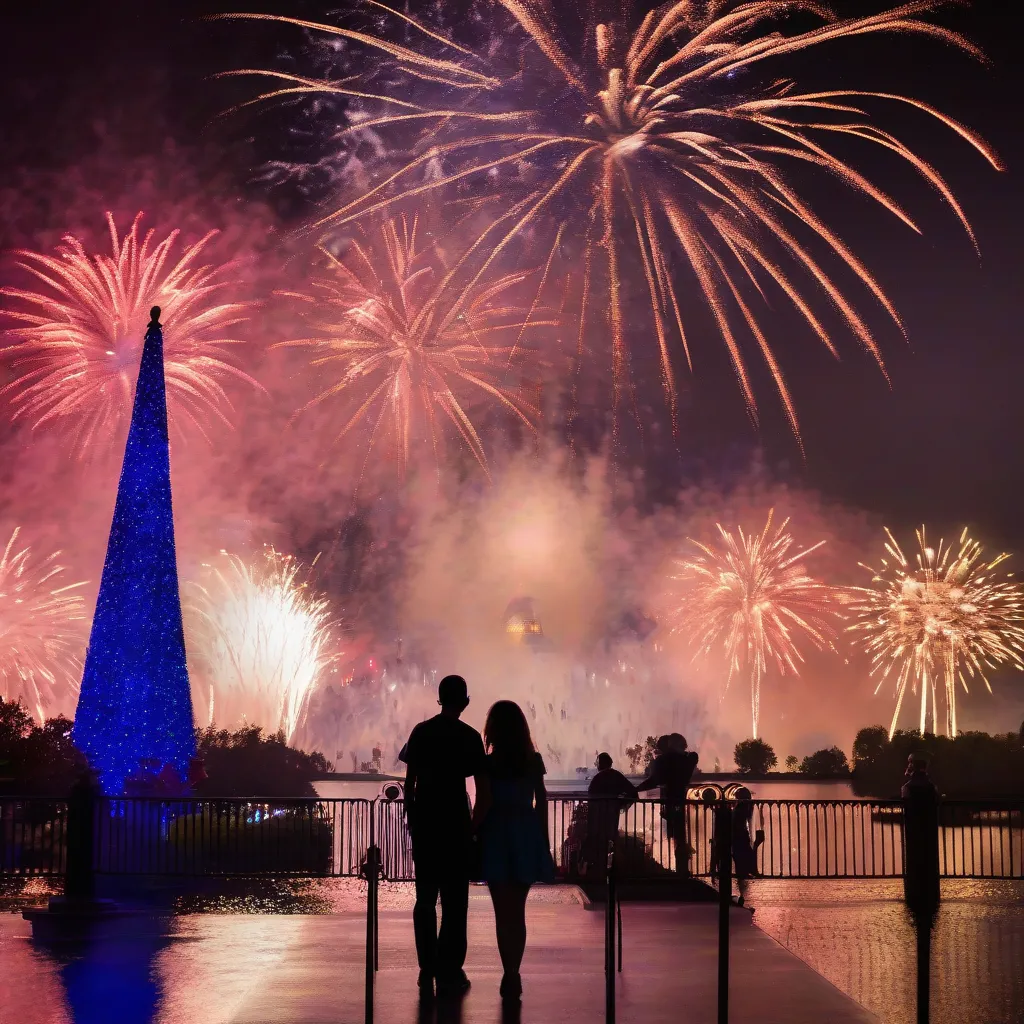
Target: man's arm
x,y
540,799
476,767
653,779
483,801
410,779
410,788
627,791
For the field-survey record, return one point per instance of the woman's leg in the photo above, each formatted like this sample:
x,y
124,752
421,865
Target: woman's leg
x,y
509,899
499,898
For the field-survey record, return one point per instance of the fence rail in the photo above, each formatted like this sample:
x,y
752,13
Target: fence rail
x,y
330,838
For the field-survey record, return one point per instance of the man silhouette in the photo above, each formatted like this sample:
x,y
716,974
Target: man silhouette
x,y
671,771
441,754
611,792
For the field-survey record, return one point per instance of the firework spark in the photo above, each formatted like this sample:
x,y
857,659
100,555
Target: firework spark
x,y
751,595
411,347
262,639
940,620
40,633
78,339
656,140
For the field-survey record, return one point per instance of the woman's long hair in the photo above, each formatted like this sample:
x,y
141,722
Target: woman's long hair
x,y
507,735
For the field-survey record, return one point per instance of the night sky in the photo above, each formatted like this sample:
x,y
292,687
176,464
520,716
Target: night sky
x,y
942,445
119,81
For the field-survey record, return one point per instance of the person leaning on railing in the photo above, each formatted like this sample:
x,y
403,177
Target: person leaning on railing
x,y
609,793
672,770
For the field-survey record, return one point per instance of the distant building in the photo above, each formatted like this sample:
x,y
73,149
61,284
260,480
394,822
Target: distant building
x,y
522,624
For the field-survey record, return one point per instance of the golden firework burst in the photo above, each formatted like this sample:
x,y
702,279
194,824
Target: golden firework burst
x,y
413,345
937,621
663,140
41,629
751,597
262,640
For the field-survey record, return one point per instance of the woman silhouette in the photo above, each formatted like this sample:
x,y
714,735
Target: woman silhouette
x,y
515,851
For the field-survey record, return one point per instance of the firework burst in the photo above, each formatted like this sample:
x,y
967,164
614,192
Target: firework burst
x,y
40,631
659,140
262,639
937,621
78,335
752,596
411,347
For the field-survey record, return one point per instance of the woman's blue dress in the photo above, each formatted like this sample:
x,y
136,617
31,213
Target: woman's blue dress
x,y
513,847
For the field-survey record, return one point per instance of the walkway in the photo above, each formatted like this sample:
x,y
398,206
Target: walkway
x,y
297,969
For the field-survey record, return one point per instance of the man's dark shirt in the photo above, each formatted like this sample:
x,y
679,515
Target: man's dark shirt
x,y
610,782
442,752
672,771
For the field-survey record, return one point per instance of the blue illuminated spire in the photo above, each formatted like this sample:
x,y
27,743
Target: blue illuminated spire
x,y
135,703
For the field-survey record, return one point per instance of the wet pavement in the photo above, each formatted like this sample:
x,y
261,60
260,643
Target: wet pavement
x,y
217,968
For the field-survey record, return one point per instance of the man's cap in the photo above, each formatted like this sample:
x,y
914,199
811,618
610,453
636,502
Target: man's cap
x,y
452,690
604,760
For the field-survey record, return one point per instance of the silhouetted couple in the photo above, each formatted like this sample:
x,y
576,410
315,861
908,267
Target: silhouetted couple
x,y
503,842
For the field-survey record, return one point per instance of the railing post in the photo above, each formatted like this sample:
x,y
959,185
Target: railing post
x,y
723,855
370,870
80,873
609,938
921,880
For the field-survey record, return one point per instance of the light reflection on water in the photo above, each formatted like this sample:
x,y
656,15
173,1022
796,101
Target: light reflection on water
x,y
859,936
855,933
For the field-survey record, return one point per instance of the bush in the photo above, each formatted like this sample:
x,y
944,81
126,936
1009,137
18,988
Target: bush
x,y
971,765
247,763
826,763
869,746
253,839
754,757
36,759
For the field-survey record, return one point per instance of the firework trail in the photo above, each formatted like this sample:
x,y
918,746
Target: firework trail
x,y
78,336
40,635
263,640
935,622
410,348
751,596
658,140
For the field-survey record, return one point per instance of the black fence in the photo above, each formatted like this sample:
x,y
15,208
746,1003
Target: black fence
x,y
33,836
330,838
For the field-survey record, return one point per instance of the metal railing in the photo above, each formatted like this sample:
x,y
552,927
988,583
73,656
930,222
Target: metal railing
x,y
800,838
191,837
330,838
594,840
33,836
981,840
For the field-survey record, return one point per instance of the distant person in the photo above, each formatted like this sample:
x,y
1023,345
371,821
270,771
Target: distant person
x,y
610,792
610,782
440,755
743,851
920,846
515,847
916,781
671,771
